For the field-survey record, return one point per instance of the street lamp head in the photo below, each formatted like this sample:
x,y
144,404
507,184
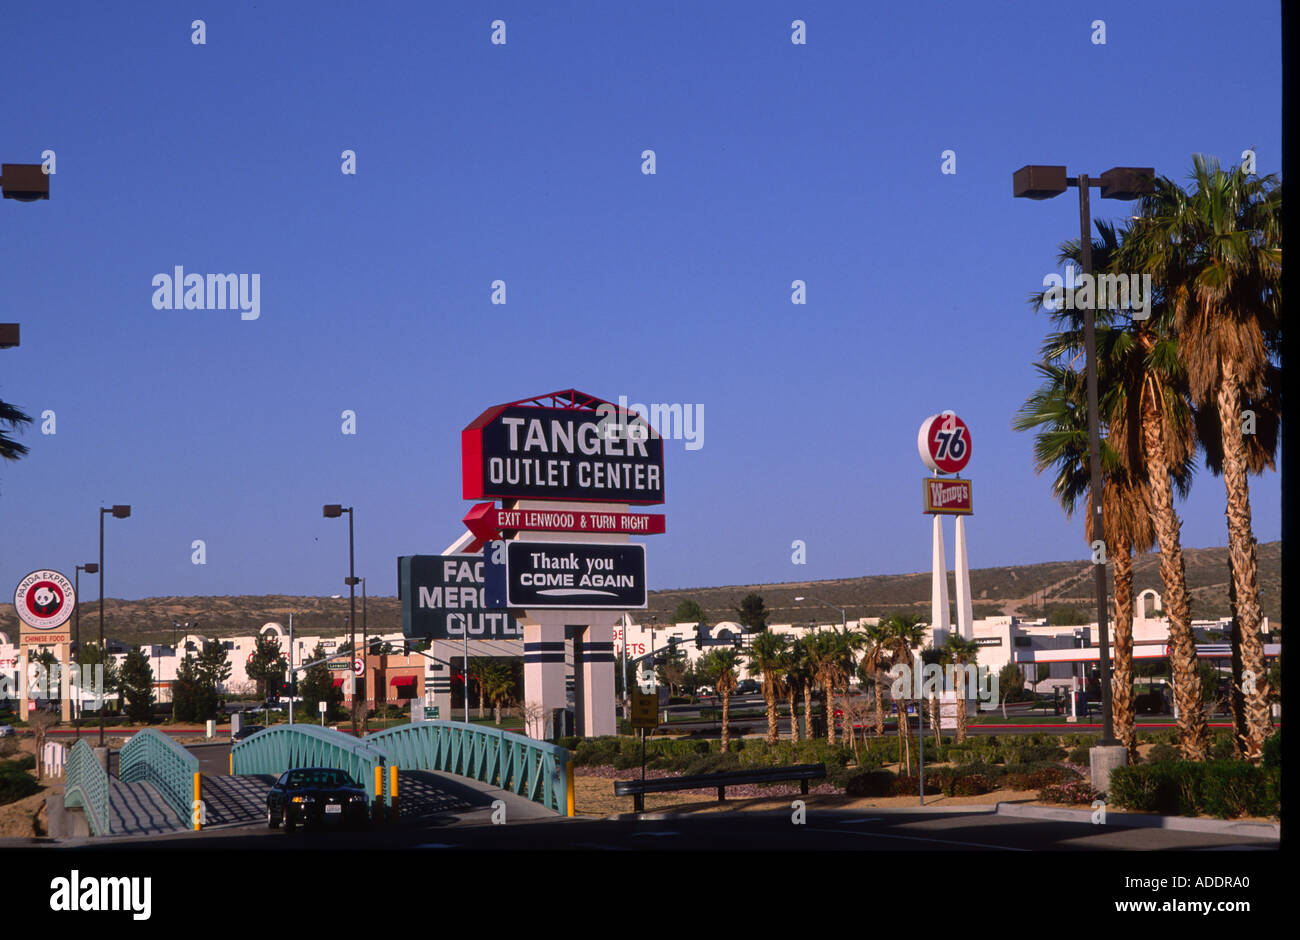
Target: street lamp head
x,y
1038,182
332,511
26,182
90,567
1128,182
119,512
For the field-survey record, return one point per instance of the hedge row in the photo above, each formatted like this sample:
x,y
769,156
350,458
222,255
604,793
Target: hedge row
x,y
1224,789
15,782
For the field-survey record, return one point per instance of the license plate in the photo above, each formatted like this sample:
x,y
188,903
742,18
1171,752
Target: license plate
x,y
333,808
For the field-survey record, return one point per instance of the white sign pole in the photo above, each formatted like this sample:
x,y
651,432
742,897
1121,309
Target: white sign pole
x,y
939,582
965,626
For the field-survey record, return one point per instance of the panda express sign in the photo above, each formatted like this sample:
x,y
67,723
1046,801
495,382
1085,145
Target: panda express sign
x,y
575,448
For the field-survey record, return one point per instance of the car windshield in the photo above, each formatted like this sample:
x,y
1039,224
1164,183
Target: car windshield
x,y
318,778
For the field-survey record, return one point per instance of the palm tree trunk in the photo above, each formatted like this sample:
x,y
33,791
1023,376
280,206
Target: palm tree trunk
x,y
1237,701
904,737
1247,616
961,715
829,698
769,693
807,711
1192,734
726,712
1121,683
794,718
846,736
880,709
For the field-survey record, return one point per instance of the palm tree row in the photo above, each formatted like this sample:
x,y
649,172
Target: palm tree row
x,y
1198,369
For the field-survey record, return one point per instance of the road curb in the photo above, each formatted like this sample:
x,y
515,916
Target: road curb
x,y
1227,827
985,809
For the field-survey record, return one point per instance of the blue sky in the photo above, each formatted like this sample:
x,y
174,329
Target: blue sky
x,y
522,162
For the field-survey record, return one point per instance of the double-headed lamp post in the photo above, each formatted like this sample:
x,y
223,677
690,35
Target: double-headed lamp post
x,y
334,511
89,567
117,512
1121,182
844,617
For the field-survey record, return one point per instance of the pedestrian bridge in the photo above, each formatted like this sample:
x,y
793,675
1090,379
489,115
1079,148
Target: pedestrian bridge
x,y
159,788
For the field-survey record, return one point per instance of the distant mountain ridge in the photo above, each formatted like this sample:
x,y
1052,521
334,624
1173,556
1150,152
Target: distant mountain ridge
x,y
1026,590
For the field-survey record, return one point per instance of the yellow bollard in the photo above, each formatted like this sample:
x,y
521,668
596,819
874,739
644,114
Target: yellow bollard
x,y
568,787
392,793
379,793
198,801
232,763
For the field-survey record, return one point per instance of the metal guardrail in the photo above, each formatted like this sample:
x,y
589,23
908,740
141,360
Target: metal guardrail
x,y
86,785
156,759
534,769
284,747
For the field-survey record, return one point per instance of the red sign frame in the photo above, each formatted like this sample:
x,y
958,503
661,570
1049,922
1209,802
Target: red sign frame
x,y
949,497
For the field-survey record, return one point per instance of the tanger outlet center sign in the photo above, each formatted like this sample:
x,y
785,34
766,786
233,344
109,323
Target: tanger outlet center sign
x,y
594,453
564,447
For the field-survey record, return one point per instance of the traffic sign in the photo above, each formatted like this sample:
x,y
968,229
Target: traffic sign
x,y
338,666
645,710
486,522
944,443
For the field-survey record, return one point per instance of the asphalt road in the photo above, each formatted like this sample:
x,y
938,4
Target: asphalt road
x,y
824,830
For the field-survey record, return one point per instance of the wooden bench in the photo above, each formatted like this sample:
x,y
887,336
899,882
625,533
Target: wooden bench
x,y
637,789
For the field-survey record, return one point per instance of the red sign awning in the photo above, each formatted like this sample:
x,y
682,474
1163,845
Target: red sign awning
x,y
403,680
337,683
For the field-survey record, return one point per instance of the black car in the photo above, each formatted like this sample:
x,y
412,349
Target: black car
x,y
316,796
744,687
248,731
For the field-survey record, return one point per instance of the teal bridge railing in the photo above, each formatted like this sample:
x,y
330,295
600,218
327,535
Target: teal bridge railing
x,y
536,770
85,784
153,757
283,747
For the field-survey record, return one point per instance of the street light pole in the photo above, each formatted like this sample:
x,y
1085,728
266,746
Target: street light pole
x,y
90,568
1044,182
333,511
118,512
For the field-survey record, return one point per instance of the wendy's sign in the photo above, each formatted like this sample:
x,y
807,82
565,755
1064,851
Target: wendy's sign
x,y
947,497
564,446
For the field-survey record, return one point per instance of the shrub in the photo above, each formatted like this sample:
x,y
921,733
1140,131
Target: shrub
x,y
712,764
906,786
16,786
990,771
1169,788
21,762
1163,752
569,743
871,783
1235,788
1035,752
971,785
1076,791
1078,755
1273,750
1222,748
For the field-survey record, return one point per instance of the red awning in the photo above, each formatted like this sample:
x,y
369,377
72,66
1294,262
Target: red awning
x,y
337,683
403,680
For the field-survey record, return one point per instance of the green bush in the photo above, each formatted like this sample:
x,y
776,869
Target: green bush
x,y
1170,788
1079,755
1236,788
21,762
1222,748
17,786
871,783
1273,750
713,764
1034,752
1162,753
569,743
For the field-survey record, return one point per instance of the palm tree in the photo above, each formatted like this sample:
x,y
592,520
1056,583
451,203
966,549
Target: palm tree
x,y
765,654
12,417
794,678
873,667
1142,401
901,634
963,652
829,653
720,668
807,669
1217,250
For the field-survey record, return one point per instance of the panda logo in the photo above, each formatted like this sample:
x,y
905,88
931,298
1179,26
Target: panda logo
x,y
45,600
